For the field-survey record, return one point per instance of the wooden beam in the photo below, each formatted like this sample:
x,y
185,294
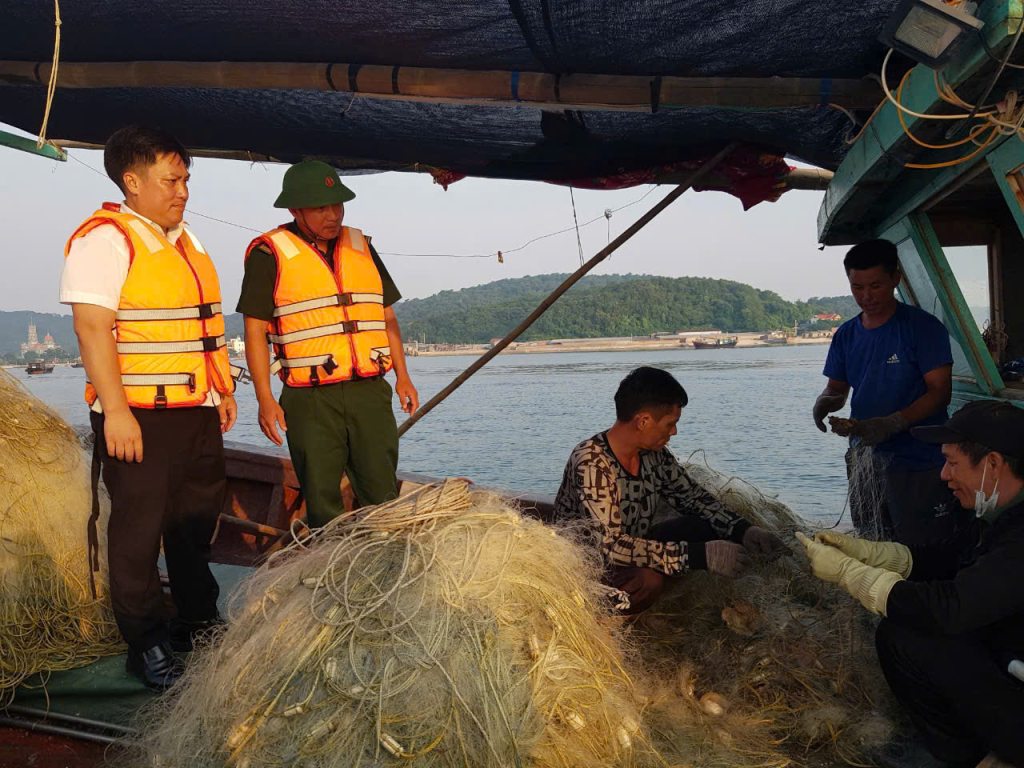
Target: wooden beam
x,y
48,150
540,90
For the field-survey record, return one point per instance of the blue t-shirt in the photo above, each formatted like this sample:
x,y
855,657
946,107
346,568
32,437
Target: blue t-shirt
x,y
885,366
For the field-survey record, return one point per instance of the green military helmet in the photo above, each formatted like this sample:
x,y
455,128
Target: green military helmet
x,y
312,184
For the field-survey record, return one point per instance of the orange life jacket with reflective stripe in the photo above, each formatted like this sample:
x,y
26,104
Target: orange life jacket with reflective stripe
x,y
168,328
328,326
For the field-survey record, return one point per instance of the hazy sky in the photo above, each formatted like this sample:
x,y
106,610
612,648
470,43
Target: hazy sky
x,y
707,234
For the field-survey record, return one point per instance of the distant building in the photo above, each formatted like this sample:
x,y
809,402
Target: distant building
x,y
34,345
826,318
237,345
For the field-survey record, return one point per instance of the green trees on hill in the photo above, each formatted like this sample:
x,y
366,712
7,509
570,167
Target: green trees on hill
x,y
613,305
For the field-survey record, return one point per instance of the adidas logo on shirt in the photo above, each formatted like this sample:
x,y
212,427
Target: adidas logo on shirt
x,y
893,359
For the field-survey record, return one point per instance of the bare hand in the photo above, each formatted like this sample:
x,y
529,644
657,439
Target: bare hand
x,y
407,394
227,409
272,415
123,436
823,406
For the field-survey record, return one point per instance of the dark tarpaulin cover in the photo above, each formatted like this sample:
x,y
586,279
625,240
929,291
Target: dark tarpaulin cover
x,y
755,38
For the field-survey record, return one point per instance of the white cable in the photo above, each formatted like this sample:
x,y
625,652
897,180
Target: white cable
x,y
888,94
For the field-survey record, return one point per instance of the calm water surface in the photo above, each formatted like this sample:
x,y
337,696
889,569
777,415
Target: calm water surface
x,y
515,422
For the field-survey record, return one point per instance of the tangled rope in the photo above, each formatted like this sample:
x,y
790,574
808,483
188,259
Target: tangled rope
x,y
49,620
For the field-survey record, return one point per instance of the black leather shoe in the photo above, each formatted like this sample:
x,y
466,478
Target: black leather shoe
x,y
156,667
185,635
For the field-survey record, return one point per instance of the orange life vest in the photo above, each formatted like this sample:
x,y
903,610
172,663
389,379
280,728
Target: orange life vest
x,y
168,328
328,325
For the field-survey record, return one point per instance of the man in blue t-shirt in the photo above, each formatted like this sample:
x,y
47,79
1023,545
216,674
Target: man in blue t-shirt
x,y
898,361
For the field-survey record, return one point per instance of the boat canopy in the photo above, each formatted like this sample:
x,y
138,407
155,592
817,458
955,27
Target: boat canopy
x,y
524,89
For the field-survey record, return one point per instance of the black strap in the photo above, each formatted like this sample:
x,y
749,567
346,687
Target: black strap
x,y
92,531
314,377
330,365
655,93
394,80
353,72
330,80
558,92
160,401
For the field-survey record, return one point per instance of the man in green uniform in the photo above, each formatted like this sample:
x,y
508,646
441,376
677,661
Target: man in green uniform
x,y
336,414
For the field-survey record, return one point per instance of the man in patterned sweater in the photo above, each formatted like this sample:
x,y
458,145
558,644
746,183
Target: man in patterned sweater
x,y
618,478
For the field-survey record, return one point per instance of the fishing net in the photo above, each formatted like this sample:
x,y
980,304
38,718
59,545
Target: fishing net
x,y
446,629
443,628
49,619
773,668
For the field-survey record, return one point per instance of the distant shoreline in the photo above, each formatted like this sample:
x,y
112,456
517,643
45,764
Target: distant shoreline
x,y
744,341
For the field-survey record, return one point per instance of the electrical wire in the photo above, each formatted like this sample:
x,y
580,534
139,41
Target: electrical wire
x,y
577,227
995,78
888,94
579,242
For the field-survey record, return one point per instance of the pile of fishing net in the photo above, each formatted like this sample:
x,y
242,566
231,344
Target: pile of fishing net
x,y
442,629
49,619
448,629
773,668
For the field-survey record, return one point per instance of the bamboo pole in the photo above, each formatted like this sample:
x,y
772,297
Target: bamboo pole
x,y
643,93
569,282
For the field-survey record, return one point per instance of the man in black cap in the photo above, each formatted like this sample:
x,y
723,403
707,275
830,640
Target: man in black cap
x,y
951,644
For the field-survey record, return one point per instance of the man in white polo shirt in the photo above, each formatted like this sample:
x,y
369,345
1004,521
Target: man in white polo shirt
x,y
160,393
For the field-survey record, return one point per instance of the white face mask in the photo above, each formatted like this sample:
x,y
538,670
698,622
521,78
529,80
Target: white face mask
x,y
982,505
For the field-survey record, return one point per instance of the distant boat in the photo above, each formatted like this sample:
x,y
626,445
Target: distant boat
x,y
33,368
774,338
720,342
78,365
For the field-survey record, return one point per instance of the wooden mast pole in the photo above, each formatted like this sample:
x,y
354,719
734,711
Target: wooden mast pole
x,y
493,88
569,282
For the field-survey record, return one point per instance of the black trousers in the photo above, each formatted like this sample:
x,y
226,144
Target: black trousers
x,y
917,506
957,692
635,580
176,493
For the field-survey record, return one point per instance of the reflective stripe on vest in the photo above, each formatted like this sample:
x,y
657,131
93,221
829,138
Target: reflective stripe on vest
x,y
338,300
349,326
209,344
168,326
328,322
205,311
157,379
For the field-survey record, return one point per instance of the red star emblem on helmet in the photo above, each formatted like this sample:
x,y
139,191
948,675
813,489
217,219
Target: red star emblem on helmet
x,y
329,182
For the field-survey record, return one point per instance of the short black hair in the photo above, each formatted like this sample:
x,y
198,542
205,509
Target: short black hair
x,y
978,451
873,253
648,387
139,146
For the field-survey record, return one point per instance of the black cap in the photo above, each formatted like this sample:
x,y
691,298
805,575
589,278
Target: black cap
x,y
993,423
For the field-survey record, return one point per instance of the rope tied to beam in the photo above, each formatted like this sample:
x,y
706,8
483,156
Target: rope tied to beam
x,y
51,87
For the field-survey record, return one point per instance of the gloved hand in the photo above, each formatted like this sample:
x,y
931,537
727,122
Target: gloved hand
x,y
726,557
869,585
878,554
758,541
878,430
824,405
